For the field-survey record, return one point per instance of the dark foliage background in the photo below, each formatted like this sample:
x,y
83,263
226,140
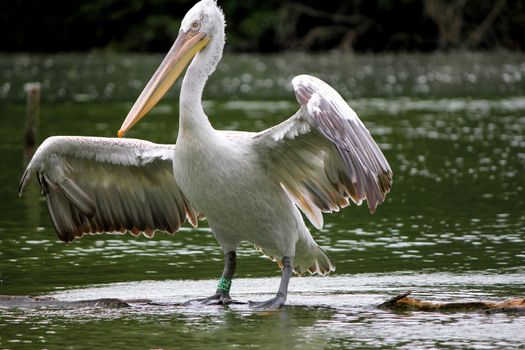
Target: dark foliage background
x,y
266,26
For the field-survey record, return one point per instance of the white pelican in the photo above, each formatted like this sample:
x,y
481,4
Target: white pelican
x,y
249,186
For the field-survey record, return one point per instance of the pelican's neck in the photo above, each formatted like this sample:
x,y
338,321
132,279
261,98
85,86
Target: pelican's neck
x,y
192,116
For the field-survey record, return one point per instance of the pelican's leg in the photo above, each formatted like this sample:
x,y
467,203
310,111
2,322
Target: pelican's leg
x,y
279,299
222,294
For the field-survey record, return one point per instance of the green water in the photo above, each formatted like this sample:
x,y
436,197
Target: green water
x,y
452,229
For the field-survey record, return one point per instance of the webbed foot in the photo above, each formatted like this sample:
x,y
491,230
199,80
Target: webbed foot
x,y
215,299
273,303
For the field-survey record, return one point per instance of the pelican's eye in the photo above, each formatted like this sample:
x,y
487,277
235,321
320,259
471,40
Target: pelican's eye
x,y
195,25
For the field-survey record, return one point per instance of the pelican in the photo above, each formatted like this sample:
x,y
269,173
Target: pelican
x,y
250,186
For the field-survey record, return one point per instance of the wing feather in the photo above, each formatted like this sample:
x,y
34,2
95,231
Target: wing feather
x,y
324,155
94,185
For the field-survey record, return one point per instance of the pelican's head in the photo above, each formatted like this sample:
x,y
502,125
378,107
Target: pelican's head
x,y
206,17
200,25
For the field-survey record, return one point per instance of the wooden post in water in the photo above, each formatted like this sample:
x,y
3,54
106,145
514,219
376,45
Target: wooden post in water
x,y
32,118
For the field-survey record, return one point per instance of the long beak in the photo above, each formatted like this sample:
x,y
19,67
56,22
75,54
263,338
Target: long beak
x,y
185,47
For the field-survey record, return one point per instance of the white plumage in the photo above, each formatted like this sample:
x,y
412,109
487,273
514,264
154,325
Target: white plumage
x,y
248,185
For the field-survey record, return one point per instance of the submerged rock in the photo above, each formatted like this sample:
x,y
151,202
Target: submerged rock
x,y
36,301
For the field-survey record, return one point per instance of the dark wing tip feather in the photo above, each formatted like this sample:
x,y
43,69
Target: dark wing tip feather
x,y
78,197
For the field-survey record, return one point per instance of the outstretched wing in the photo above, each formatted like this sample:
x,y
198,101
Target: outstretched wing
x,y
324,155
95,185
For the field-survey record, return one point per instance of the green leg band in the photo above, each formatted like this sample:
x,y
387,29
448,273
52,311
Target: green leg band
x,y
224,284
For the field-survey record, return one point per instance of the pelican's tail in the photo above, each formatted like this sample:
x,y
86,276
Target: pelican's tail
x,y
313,260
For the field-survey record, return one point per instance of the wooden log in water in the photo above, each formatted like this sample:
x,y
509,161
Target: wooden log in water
x,y
32,118
404,302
